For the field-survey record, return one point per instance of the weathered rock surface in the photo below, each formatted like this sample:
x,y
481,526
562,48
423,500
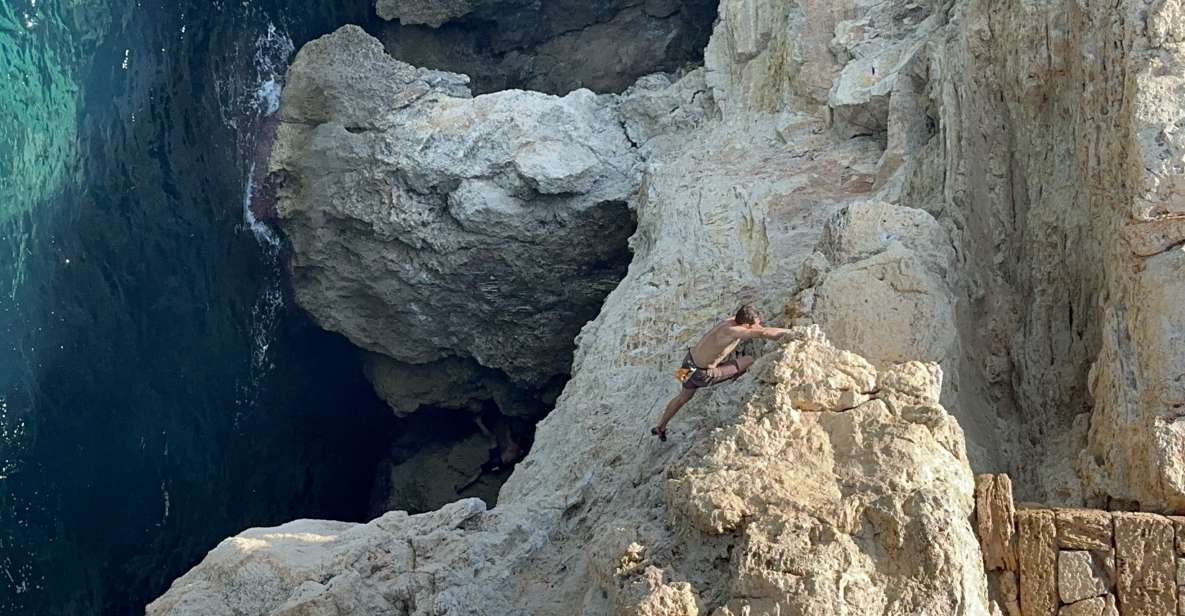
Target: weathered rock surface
x,y
1146,567
995,522
1078,577
896,260
793,503
1036,552
1042,139
1086,607
1056,127
555,46
420,218
1083,529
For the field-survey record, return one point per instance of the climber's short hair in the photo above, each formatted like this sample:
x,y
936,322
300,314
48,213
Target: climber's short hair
x,y
747,315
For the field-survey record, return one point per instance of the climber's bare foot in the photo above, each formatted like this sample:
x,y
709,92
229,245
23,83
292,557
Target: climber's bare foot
x,y
661,433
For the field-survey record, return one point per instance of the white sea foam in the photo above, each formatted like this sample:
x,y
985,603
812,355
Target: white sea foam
x,y
269,95
257,101
267,238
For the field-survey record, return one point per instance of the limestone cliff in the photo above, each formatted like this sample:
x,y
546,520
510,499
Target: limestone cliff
x,y
977,197
820,486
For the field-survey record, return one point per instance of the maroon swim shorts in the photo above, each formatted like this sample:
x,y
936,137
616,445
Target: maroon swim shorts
x,y
706,377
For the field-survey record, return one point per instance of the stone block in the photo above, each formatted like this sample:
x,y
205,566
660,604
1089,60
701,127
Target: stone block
x,y
995,521
1180,571
1179,533
1002,587
1145,564
1036,552
1083,529
1078,577
1106,560
1110,608
1086,607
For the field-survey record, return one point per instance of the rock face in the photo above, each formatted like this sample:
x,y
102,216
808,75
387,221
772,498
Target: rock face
x,y
1041,137
462,241
432,211
1054,123
816,511
555,46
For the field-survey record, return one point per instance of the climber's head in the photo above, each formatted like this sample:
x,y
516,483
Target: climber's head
x,y
748,315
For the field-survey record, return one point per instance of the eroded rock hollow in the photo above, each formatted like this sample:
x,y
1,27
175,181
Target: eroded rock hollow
x,y
555,46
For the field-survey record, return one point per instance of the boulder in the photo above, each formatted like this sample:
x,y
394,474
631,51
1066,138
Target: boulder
x,y
427,226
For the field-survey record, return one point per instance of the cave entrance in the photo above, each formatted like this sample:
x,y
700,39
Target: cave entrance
x,y
440,455
553,47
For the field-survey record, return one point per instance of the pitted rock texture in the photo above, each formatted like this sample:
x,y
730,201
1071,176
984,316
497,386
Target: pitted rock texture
x,y
555,46
896,262
426,225
780,508
1042,137
1058,127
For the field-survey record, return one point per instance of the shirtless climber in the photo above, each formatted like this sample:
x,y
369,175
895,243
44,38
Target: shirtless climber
x,y
704,366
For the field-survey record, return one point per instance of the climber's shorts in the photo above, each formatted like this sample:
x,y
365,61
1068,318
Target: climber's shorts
x,y
706,377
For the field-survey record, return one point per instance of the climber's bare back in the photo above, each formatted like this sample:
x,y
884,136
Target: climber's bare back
x,y
720,341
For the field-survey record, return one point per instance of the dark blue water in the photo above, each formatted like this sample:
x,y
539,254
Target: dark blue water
x,y
158,389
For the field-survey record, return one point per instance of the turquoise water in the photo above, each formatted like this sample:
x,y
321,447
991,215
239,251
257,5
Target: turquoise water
x,y
158,389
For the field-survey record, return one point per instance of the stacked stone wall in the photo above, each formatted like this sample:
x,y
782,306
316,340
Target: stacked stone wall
x,y
1078,562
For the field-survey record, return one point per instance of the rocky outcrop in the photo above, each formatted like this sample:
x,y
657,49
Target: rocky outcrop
x,y
1054,119
432,212
811,495
462,241
1040,137
555,46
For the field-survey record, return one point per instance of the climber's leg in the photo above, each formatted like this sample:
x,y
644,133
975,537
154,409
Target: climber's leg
x,y
734,368
673,407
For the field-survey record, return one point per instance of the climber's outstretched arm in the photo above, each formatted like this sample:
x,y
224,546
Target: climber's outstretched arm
x,y
749,333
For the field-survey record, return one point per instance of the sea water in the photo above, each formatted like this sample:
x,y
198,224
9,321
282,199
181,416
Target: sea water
x,y
159,389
